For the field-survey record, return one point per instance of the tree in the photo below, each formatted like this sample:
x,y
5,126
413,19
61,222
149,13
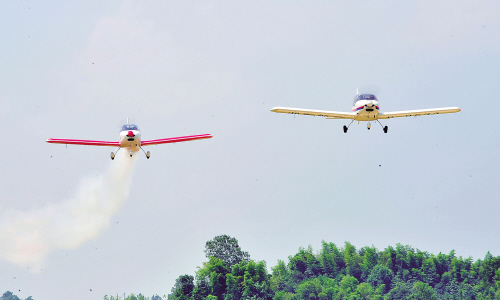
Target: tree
x,y
211,280
489,267
227,249
422,290
380,274
401,291
183,288
281,279
9,296
131,297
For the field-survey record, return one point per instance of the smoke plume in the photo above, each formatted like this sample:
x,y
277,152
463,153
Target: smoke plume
x,y
26,238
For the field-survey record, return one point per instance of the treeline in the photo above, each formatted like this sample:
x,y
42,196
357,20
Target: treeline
x,y
334,272
133,297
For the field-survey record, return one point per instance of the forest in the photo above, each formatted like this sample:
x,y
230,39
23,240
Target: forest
x,y
332,273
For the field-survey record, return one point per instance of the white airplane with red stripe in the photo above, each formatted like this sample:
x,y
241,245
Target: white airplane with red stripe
x,y
130,138
366,108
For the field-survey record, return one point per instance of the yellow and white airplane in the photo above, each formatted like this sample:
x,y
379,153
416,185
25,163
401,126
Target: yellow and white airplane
x,y
365,108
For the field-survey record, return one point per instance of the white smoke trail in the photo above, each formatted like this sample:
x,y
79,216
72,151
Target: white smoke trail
x,y
26,238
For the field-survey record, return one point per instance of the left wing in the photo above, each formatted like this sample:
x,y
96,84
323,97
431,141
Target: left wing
x,y
83,142
176,139
310,112
418,112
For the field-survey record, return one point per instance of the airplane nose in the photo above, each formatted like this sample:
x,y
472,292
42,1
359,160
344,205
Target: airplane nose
x,y
130,134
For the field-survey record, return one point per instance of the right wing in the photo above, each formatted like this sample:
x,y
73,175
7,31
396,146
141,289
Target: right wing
x,y
83,142
176,139
418,112
319,113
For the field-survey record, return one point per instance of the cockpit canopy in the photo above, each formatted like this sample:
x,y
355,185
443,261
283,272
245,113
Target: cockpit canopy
x,y
128,127
364,97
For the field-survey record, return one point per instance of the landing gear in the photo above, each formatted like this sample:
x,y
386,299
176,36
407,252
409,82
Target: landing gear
x,y
347,127
369,126
112,155
131,153
147,153
385,128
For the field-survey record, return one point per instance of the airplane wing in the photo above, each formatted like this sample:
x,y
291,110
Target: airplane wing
x,y
176,139
83,142
418,112
319,113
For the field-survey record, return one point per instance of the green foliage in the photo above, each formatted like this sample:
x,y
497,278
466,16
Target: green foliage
x,y
488,268
332,273
422,290
227,249
8,295
183,288
211,279
380,275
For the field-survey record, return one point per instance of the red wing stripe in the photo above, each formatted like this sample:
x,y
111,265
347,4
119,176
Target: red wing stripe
x,y
176,139
83,142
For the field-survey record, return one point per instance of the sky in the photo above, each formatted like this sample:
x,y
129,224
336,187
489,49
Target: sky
x,y
74,224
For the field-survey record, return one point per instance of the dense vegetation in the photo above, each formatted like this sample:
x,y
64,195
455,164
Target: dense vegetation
x,y
339,273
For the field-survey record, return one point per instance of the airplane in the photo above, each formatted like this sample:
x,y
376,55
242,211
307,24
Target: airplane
x,y
130,138
366,108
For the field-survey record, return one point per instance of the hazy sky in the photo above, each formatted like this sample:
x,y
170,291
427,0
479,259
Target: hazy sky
x,y
275,182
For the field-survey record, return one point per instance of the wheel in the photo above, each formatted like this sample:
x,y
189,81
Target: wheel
x,y
345,129
385,129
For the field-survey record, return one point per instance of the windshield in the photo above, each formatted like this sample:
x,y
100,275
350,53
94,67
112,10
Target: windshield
x,y
129,127
364,97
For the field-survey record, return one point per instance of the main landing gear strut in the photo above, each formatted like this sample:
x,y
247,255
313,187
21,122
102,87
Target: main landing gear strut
x,y
112,155
147,153
385,128
369,126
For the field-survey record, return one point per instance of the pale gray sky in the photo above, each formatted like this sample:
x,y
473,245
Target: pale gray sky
x,y
275,182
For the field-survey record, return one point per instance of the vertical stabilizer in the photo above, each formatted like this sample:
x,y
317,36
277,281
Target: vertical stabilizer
x,y
127,120
357,91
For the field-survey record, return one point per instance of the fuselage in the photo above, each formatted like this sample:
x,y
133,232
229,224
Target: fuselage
x,y
130,137
366,107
